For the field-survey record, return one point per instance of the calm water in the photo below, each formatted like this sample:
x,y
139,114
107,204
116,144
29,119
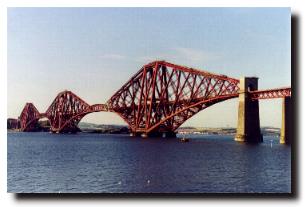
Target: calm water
x,y
43,162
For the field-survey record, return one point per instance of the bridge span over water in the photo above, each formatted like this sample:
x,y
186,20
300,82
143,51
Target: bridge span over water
x,y
160,97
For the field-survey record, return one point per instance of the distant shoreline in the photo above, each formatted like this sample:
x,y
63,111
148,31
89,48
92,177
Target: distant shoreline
x,y
123,129
216,131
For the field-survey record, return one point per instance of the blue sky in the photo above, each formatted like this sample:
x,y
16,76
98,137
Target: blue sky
x,y
93,51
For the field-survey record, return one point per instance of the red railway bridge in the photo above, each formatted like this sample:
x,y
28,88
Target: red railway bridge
x,y
160,97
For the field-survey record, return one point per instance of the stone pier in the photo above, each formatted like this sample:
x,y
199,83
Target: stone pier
x,y
286,130
168,134
248,128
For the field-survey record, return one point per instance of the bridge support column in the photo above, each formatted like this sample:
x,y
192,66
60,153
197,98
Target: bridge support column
x,y
248,128
286,129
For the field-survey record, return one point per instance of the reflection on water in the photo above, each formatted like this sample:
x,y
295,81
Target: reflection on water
x,y
43,162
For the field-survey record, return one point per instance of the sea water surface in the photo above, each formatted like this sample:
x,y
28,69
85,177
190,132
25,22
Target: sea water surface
x,y
99,163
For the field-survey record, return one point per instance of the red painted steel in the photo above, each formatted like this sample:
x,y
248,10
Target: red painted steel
x,y
158,98
269,94
162,96
67,110
29,117
64,113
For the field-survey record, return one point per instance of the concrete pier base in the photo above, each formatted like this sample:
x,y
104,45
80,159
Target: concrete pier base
x,y
154,134
286,130
135,134
248,127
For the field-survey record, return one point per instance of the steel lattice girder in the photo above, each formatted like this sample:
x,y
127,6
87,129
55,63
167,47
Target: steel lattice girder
x,y
67,110
161,96
272,93
29,117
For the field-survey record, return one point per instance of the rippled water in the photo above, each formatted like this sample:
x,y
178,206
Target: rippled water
x,y
43,162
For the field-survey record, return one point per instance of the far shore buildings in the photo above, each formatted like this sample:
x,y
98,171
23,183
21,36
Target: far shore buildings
x,y
13,123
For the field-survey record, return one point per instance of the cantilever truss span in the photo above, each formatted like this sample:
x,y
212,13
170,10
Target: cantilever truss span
x,y
158,98
162,96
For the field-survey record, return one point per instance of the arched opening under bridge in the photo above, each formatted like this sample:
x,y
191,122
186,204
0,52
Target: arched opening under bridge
x,y
103,122
222,115
44,124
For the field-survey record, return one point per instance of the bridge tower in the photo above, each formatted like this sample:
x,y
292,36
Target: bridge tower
x,y
248,128
286,129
